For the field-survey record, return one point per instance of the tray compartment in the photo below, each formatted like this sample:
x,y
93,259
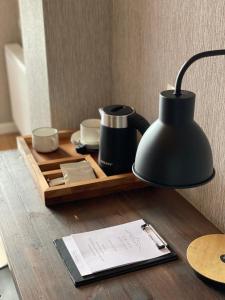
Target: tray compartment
x,y
47,166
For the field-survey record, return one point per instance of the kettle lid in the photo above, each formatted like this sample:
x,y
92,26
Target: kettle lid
x,y
118,110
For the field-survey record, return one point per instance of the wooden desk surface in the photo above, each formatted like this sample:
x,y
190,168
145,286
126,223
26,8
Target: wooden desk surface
x,y
28,229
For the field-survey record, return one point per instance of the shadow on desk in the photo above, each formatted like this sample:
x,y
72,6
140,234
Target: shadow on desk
x,y
7,287
212,284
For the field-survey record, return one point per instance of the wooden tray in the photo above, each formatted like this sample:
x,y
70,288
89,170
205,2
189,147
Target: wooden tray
x,y
47,166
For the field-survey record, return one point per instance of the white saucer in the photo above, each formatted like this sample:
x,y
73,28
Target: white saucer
x,y
75,140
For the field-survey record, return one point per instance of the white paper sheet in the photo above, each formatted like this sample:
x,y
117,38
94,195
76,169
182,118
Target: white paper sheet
x,y
111,247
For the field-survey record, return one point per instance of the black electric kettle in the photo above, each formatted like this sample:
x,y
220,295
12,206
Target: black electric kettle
x,y
118,138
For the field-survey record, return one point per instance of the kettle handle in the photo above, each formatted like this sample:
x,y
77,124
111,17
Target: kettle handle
x,y
137,121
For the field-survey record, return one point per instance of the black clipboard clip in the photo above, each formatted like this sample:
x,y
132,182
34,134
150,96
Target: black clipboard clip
x,y
153,234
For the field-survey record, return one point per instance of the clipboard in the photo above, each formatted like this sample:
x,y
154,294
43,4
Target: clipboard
x,y
79,280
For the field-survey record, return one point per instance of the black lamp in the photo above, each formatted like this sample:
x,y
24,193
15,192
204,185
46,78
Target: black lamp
x,y
174,151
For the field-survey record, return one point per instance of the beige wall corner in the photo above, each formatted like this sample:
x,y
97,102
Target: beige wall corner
x,y
9,33
9,127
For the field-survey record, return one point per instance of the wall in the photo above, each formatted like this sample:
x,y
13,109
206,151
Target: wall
x,y
33,36
67,47
78,46
9,33
151,40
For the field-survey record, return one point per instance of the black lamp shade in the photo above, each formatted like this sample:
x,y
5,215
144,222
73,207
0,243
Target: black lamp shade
x,y
174,151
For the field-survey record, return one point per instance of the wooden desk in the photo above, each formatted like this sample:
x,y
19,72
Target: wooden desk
x,y
28,229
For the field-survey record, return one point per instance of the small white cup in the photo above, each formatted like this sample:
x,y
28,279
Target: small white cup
x,y
45,139
89,132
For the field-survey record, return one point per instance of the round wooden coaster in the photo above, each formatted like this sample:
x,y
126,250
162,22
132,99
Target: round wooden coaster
x,y
206,255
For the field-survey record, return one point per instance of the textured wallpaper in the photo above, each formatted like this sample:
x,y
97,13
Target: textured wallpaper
x,y
151,40
78,48
33,36
67,48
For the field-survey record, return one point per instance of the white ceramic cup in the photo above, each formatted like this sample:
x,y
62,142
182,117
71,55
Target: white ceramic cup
x,y
45,139
89,132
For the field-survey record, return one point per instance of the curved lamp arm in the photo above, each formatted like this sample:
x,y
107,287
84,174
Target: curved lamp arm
x,y
187,64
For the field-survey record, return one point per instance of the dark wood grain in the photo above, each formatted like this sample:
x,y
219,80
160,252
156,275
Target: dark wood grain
x,y
28,229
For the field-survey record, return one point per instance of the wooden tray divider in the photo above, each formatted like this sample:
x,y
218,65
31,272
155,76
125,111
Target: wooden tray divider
x,y
98,171
54,164
52,174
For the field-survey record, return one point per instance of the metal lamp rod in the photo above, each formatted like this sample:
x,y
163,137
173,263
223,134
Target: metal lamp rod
x,y
187,64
